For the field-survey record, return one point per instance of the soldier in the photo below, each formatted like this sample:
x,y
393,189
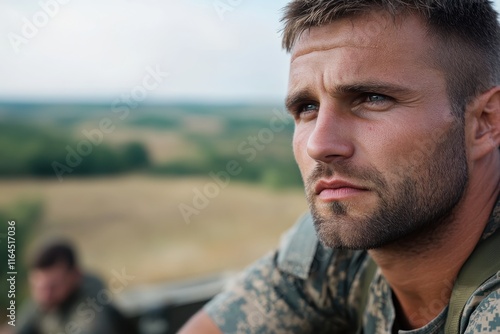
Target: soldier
x,y
397,129
65,300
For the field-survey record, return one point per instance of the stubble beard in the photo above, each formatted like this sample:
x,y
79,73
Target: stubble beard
x,y
420,202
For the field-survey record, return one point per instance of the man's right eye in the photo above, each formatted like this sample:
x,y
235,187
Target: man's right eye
x,y
307,109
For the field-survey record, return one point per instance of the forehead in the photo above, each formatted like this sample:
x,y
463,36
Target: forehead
x,y
50,272
370,30
373,44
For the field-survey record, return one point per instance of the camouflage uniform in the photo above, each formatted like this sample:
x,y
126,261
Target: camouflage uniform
x,y
76,315
307,288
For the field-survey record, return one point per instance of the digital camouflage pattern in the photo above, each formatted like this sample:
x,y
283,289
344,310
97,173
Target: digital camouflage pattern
x,y
320,292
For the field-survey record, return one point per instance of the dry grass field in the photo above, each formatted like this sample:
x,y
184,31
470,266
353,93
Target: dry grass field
x,y
133,222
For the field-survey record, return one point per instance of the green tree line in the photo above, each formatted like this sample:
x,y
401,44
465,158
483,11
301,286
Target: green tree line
x,y
29,150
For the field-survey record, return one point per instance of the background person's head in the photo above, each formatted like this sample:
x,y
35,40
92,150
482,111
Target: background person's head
x,y
54,274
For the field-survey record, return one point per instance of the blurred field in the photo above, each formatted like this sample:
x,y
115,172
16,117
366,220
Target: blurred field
x,y
120,201
133,222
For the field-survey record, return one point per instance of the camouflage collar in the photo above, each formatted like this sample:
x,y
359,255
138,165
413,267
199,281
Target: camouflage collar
x,y
494,221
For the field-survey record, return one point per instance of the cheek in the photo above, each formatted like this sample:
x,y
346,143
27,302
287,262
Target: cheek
x,y
296,145
300,138
410,150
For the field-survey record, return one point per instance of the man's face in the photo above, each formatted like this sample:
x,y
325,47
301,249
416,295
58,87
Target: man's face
x,y
50,287
381,155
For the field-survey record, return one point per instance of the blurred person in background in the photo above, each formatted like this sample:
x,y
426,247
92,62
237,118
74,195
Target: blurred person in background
x,y
65,300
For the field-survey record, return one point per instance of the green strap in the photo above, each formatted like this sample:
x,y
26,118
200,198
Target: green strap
x,y
479,267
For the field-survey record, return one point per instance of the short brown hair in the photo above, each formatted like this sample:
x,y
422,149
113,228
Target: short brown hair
x,y
467,31
53,253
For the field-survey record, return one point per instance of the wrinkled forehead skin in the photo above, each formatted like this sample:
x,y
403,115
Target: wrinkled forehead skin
x,y
376,29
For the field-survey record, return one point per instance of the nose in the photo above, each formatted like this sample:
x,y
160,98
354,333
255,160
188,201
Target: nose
x,y
330,140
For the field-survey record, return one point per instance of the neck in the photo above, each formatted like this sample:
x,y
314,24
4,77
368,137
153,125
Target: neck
x,y
421,273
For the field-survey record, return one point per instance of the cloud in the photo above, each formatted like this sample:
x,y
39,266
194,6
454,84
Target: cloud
x,y
100,49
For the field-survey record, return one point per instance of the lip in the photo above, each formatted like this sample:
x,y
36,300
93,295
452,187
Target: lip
x,y
334,190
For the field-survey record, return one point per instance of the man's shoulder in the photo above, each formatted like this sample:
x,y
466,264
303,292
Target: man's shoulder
x,y
301,287
482,311
91,284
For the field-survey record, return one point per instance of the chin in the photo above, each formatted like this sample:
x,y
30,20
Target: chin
x,y
342,232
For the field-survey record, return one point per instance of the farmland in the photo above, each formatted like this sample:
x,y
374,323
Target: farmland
x,y
134,222
121,202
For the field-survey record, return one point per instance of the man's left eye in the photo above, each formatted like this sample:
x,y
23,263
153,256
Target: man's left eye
x,y
374,98
373,102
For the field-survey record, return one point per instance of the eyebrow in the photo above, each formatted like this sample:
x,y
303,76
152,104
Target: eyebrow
x,y
302,95
373,87
297,97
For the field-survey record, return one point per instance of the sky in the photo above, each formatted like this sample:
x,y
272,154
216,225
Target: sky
x,y
159,50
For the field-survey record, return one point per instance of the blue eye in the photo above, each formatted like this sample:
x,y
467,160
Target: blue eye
x,y
376,98
304,111
373,102
308,107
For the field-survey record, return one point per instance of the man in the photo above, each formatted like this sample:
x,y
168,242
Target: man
x,y
397,112
65,300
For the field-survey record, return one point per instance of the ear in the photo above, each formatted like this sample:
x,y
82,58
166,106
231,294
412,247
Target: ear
x,y
483,116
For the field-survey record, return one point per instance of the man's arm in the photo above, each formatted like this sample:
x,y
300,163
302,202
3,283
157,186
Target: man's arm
x,y
201,323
